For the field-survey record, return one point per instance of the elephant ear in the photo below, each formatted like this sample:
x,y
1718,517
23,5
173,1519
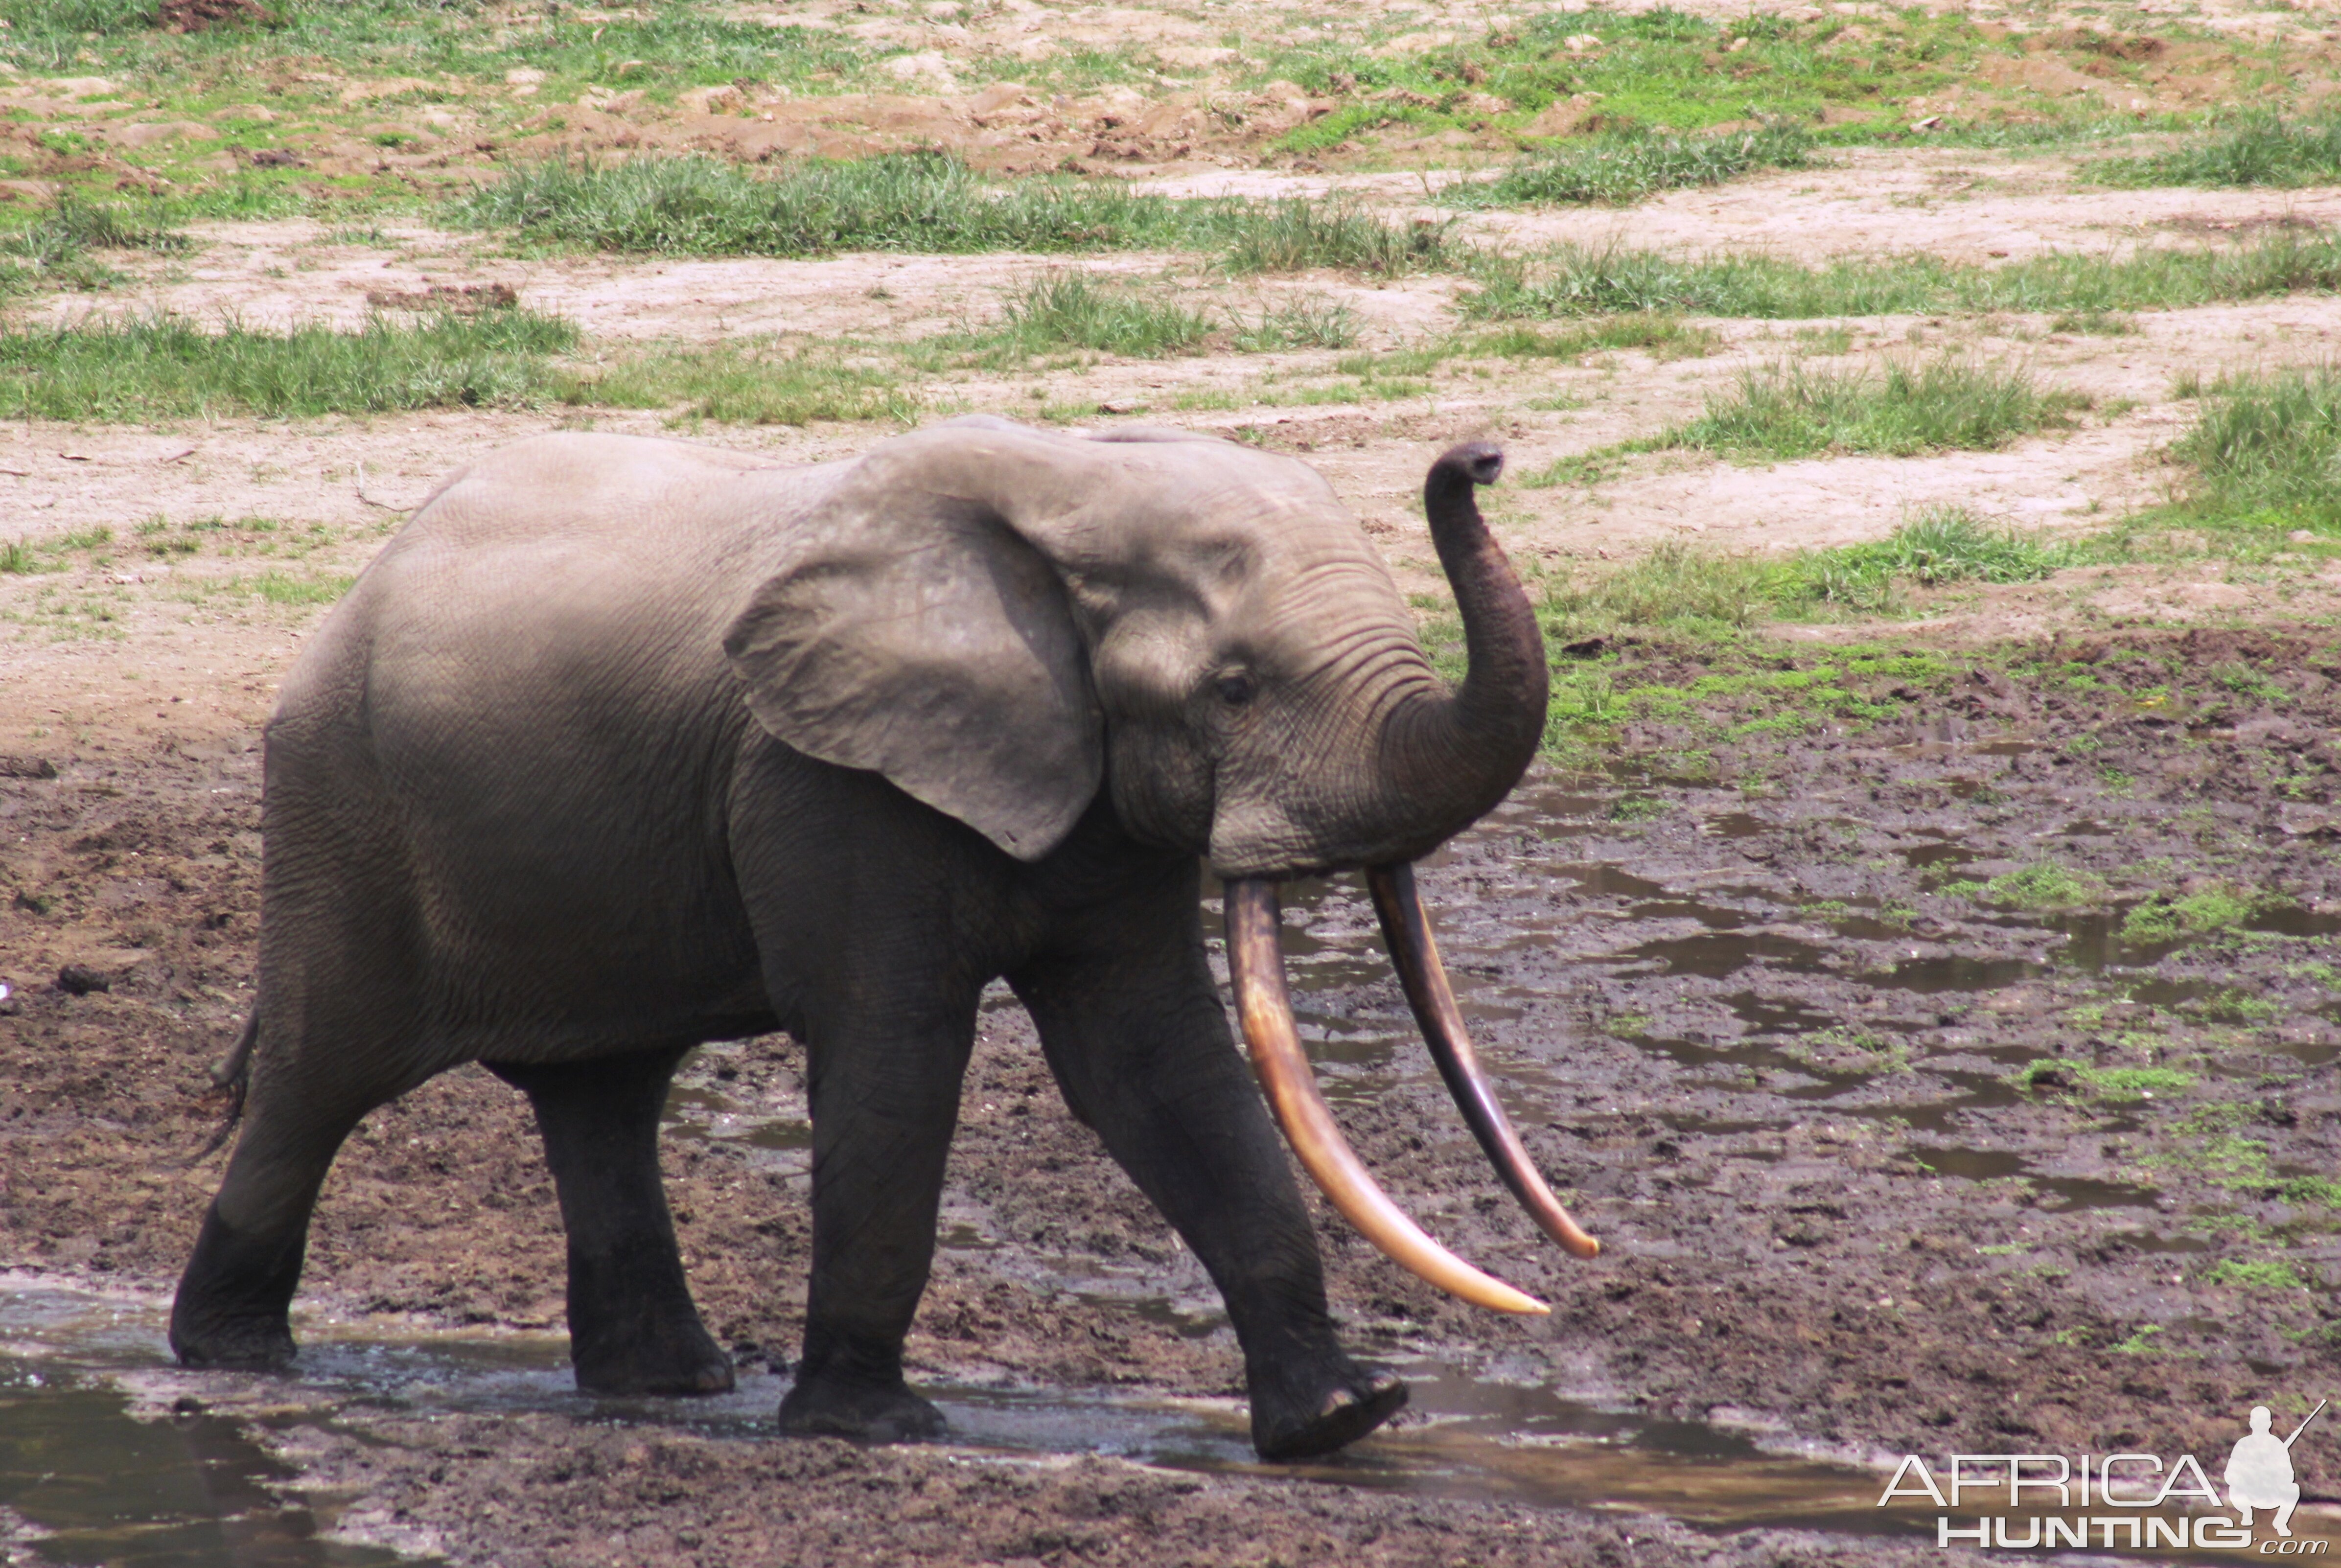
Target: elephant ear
x,y
918,635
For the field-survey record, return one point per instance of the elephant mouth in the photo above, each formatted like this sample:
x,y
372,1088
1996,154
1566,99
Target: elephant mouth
x,y
1264,1001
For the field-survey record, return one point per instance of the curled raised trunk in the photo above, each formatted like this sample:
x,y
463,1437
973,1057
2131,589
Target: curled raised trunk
x,y
1450,757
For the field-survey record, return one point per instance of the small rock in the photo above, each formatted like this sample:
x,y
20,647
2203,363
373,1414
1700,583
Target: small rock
x,y
196,16
26,768
80,980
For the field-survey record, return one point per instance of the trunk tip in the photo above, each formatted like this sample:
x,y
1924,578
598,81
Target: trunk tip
x,y
1478,461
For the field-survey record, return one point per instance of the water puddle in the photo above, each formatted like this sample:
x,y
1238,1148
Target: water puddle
x,y
192,1490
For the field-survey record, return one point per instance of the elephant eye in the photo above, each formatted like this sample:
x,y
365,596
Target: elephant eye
x,y
1235,690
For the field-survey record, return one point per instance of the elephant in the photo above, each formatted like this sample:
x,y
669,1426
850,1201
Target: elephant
x,y
624,745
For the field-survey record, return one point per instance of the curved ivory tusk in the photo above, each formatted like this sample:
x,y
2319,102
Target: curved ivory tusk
x,y
1256,964
1414,953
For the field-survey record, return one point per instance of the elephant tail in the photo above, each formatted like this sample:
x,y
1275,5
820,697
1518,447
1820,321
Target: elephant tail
x,y
233,1076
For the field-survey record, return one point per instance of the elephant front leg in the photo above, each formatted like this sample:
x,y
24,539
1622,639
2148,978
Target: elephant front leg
x,y
633,1327
883,1112
1140,1045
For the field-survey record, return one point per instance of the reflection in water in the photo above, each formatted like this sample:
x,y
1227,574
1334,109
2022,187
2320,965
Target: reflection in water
x,y
189,1492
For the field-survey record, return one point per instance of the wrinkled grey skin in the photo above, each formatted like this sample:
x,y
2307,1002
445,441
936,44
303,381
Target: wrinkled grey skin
x,y
624,745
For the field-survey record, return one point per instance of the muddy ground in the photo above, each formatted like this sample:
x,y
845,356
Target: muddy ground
x,y
1888,1157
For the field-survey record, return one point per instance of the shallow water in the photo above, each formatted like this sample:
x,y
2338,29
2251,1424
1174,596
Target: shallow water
x,y
188,1490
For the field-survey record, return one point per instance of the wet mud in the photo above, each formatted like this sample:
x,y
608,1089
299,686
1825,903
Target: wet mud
x,y
1943,1045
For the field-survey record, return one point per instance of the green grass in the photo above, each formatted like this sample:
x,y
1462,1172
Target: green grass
x,y
1672,585
2320,1190
2257,1274
673,43
1657,70
2041,888
1677,585
1573,280
278,588
54,245
749,383
2267,451
167,367
1299,323
1073,310
1790,411
2115,1085
2249,147
1941,546
1661,335
926,203
1628,167
919,202
1295,235
2207,912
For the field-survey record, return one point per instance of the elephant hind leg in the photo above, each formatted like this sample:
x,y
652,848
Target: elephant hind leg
x,y
235,1299
633,1327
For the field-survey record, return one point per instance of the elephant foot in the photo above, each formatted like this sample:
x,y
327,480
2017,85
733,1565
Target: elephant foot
x,y
1293,1418
707,1371
233,1305
823,1406
676,1356
238,1343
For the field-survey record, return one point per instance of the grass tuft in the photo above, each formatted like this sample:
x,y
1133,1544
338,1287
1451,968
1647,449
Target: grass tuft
x,y
2252,147
2266,450
1295,235
1673,585
1071,309
56,243
922,202
747,382
1628,167
2114,1086
2208,912
929,203
167,367
1661,335
1790,411
1574,280
1303,323
1940,546
1679,586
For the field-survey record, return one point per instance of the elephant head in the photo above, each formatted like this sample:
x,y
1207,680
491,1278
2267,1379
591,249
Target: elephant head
x,y
1003,621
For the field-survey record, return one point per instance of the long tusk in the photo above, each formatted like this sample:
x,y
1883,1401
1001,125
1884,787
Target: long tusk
x,y
1256,965
1414,953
